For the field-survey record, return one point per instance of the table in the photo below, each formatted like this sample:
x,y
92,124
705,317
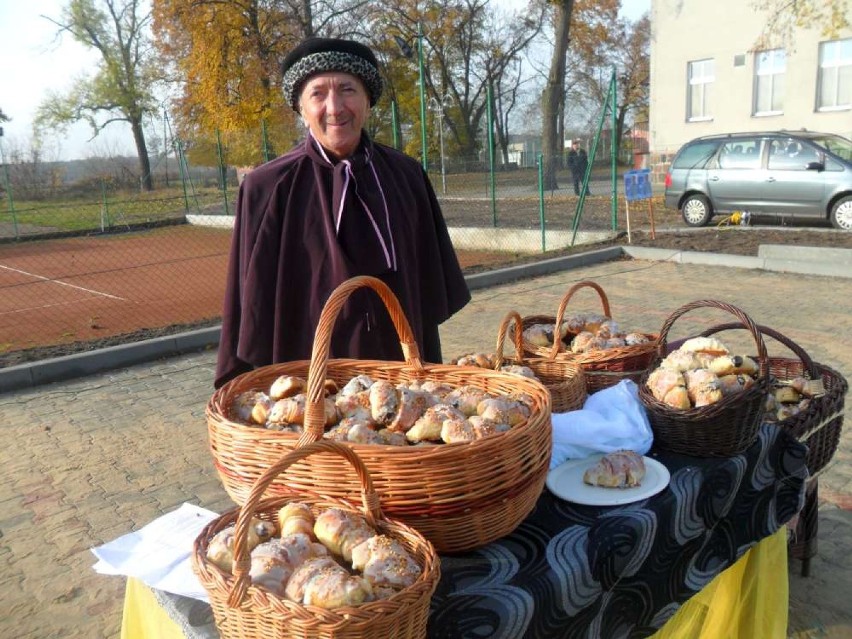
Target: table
x,y
716,532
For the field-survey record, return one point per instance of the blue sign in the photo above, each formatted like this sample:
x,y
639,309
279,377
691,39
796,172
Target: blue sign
x,y
637,184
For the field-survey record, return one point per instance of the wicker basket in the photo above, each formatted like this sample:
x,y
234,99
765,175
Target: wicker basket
x,y
460,496
563,378
601,368
722,429
243,611
819,425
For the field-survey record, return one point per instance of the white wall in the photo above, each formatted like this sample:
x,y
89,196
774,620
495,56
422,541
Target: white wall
x,y
687,30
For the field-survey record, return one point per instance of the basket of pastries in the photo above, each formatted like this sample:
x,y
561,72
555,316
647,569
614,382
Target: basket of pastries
x,y
302,565
606,353
702,399
458,452
805,398
563,378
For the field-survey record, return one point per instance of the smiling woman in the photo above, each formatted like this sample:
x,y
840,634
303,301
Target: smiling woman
x,y
337,206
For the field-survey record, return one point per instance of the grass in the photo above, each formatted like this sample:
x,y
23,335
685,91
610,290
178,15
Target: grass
x,y
118,208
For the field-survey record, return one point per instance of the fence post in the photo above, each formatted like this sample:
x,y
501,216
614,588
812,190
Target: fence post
x,y
105,224
613,150
540,163
9,197
179,153
395,124
265,140
490,111
222,172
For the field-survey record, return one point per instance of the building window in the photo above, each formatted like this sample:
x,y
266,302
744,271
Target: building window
x,y
835,75
700,90
769,71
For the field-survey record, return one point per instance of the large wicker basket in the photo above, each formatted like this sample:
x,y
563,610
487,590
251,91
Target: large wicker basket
x,y
601,368
722,429
819,425
244,611
460,496
563,378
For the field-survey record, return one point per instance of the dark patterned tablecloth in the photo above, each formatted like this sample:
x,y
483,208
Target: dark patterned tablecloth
x,y
605,572
621,571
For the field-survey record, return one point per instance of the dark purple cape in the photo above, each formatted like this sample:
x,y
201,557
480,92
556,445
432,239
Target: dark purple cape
x,y
286,259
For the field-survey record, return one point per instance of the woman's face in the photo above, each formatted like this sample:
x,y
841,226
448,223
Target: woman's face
x,y
335,106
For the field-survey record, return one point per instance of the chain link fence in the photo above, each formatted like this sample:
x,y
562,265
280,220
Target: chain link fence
x,y
87,255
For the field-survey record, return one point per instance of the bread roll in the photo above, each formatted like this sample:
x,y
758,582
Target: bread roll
x,y
287,386
709,345
340,531
220,550
273,562
296,517
384,562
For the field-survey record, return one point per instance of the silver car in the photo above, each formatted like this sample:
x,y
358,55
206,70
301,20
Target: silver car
x,y
787,173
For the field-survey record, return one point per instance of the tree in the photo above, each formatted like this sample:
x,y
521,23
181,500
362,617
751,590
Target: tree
x,y
785,17
467,46
225,56
552,96
122,87
624,47
4,117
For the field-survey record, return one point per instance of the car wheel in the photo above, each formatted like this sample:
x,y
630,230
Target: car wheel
x,y
841,213
696,210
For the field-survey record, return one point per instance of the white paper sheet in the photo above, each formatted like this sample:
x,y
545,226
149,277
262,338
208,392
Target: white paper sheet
x,y
159,553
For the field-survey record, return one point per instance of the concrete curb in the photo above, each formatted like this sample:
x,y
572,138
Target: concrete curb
x,y
80,364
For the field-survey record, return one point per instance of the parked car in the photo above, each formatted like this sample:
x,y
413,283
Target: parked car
x,y
788,173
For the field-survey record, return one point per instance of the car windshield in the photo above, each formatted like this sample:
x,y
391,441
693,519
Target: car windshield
x,y
837,145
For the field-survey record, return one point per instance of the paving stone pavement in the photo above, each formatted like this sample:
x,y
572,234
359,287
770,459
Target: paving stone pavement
x,y
90,459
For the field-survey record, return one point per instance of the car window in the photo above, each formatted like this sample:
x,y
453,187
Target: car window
x,y
741,154
695,155
791,155
837,145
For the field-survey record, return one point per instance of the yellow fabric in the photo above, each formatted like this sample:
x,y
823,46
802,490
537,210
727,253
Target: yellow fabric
x,y
746,601
143,618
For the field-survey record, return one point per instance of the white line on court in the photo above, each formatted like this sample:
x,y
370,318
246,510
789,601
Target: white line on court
x,y
47,279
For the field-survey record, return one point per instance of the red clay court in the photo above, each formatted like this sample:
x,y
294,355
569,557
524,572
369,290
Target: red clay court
x,y
81,289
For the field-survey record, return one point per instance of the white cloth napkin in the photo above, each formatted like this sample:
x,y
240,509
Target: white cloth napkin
x,y
611,419
159,553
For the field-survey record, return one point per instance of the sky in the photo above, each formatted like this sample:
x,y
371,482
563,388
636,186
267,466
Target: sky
x,y
34,61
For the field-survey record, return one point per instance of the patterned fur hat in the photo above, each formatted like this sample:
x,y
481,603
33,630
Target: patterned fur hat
x,y
319,55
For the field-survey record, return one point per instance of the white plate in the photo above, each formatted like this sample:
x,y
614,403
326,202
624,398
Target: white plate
x,y
566,481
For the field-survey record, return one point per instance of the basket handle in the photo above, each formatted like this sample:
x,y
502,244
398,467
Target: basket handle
x,y
560,313
242,560
314,423
778,337
501,338
743,318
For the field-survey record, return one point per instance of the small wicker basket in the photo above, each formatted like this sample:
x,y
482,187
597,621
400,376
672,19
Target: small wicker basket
x,y
819,425
601,368
460,496
244,611
722,429
563,378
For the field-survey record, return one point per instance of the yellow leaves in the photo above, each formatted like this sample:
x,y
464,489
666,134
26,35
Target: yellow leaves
x,y
227,56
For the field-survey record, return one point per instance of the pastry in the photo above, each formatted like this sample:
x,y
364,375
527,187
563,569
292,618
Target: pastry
x,y
620,469
296,517
273,562
220,550
287,386
384,562
709,345
340,531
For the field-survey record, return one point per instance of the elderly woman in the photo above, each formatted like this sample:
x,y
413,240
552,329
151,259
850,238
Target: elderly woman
x,y
336,206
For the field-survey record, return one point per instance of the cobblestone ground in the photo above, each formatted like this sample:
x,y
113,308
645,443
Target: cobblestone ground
x,y
88,460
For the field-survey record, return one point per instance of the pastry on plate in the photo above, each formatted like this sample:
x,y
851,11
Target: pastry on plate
x,y
619,469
